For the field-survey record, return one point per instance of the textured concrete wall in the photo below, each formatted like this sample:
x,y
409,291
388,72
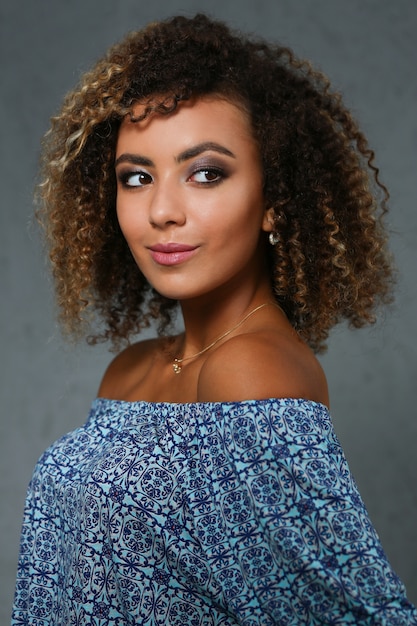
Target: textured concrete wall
x,y
368,49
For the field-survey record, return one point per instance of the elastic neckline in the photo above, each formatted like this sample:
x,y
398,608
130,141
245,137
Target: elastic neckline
x,y
232,403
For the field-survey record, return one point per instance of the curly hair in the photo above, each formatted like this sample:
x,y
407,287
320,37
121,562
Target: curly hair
x,y
331,261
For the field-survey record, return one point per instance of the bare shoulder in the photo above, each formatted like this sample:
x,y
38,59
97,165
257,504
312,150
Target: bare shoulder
x,y
261,365
126,368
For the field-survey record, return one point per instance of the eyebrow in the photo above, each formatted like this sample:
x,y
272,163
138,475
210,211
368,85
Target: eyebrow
x,y
203,147
136,159
190,153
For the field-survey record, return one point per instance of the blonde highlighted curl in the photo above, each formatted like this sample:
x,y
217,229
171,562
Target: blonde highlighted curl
x,y
330,263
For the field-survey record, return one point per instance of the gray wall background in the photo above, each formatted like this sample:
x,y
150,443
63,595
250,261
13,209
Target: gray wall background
x,y
368,48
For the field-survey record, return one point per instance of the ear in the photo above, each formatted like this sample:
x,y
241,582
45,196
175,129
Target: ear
x,y
268,222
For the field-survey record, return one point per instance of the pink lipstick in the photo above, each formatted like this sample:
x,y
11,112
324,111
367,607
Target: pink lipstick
x,y
171,253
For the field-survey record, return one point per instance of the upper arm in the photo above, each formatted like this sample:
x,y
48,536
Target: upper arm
x,y
252,367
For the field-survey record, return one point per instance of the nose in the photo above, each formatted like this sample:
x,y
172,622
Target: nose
x,y
166,206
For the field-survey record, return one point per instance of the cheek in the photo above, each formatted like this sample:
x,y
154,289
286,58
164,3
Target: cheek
x,y
128,218
244,213
120,210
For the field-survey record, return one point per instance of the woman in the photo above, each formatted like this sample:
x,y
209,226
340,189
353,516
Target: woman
x,y
194,166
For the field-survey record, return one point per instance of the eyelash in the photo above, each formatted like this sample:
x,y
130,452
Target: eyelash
x,y
220,175
125,177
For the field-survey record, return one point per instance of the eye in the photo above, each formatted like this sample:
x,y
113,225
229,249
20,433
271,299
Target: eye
x,y
135,179
207,175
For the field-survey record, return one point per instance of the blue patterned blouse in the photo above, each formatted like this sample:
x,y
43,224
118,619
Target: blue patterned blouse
x,y
202,514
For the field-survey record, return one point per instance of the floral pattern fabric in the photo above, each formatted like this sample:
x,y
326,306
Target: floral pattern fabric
x,y
201,514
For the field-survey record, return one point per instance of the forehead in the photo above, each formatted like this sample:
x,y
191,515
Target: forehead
x,y
208,117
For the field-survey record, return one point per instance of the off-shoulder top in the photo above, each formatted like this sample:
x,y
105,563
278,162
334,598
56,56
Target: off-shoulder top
x,y
202,514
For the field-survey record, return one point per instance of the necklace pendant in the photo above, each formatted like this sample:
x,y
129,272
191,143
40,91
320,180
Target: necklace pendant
x,y
176,366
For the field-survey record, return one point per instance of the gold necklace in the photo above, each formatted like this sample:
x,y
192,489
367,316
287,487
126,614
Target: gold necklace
x,y
177,363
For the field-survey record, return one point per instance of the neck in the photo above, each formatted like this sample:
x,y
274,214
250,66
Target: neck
x,y
178,361
205,320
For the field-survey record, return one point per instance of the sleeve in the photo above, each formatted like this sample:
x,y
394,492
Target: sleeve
x,y
295,520
37,577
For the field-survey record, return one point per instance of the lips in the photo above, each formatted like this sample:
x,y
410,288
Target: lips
x,y
171,253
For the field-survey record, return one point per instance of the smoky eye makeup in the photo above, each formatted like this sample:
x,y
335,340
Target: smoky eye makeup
x,y
204,171
207,176
207,171
133,178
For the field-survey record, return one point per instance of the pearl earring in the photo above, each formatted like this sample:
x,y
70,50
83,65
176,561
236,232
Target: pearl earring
x,y
273,238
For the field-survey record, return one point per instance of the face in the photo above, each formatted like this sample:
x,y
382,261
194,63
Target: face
x,y
190,201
